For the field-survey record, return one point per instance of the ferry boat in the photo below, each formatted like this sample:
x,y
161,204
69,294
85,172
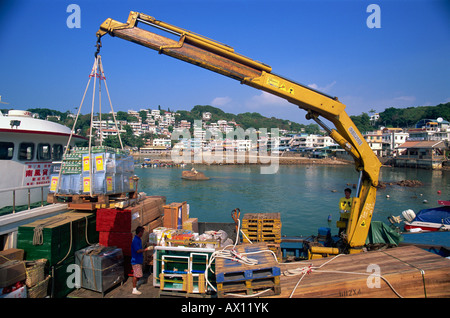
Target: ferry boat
x,y
27,148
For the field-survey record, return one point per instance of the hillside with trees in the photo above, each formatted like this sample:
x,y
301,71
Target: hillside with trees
x,y
390,117
402,117
247,120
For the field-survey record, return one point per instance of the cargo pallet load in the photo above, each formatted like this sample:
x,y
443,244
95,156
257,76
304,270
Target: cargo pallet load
x,y
101,267
408,272
88,178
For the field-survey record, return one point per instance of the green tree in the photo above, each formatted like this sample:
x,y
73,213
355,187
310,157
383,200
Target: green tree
x,y
112,141
143,115
362,122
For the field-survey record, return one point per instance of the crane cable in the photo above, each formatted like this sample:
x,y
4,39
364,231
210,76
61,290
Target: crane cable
x,y
96,72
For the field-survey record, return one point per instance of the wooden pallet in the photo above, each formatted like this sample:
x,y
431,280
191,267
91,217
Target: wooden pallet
x,y
251,237
231,271
180,294
261,227
91,203
265,286
411,271
262,220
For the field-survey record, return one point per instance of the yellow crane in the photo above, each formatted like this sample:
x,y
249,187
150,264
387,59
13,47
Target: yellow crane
x,y
222,59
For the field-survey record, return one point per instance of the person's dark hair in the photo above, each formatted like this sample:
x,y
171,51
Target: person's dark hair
x,y
139,229
348,190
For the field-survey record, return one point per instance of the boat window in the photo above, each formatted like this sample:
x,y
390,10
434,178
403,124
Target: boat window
x,y
57,152
44,152
6,150
26,151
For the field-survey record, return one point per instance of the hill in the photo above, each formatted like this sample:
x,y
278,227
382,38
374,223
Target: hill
x,y
246,120
402,117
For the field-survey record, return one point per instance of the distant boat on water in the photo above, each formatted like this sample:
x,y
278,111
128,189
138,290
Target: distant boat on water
x,y
193,175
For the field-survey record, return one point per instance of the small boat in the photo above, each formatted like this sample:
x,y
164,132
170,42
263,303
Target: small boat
x,y
193,175
433,219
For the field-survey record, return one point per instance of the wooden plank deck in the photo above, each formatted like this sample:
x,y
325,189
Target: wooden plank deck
x,y
410,271
401,266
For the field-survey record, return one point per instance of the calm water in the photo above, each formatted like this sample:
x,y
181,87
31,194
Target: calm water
x,y
302,194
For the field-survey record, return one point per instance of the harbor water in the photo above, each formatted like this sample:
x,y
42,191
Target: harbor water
x,y
305,195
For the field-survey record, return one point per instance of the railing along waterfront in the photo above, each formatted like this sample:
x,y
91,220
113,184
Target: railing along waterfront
x,y
28,188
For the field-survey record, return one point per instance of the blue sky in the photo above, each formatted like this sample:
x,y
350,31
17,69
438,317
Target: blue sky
x,y
324,44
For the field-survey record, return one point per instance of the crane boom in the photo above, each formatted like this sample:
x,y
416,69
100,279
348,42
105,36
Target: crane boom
x,y
222,59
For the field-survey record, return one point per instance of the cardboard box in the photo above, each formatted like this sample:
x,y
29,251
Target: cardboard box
x,y
10,255
12,272
191,225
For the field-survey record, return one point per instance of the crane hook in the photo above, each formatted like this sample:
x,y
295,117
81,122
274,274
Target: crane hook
x,y
98,45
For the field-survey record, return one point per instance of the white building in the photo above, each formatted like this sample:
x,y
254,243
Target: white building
x,y
162,142
430,129
304,141
206,116
391,139
375,141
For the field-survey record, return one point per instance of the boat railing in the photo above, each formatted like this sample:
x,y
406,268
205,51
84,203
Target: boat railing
x,y
28,188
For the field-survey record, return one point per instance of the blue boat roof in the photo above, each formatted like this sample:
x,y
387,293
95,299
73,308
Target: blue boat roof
x,y
434,215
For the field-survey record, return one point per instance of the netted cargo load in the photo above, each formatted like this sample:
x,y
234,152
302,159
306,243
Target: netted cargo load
x,y
104,170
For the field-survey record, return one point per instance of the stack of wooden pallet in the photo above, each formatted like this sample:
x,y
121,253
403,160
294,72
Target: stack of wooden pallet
x,y
235,278
263,227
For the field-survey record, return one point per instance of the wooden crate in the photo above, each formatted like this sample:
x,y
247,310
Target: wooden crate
x,y
411,271
175,214
187,282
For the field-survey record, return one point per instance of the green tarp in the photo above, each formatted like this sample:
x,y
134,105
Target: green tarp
x,y
380,233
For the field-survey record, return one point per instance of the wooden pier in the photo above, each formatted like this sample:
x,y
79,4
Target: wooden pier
x,y
411,272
